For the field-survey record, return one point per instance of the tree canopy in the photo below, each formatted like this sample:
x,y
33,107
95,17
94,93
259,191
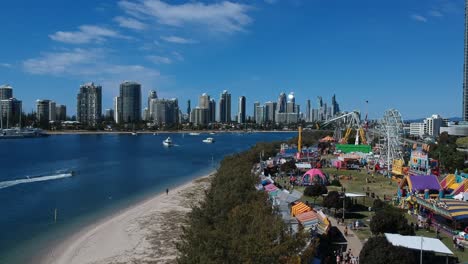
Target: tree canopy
x,y
334,200
235,223
390,220
377,250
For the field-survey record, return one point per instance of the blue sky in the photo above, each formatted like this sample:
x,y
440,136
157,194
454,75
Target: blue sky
x,y
403,54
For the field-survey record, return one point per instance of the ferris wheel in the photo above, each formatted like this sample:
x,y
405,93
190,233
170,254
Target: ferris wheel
x,y
391,135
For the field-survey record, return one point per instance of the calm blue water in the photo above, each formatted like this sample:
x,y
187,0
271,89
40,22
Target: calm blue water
x,y
112,171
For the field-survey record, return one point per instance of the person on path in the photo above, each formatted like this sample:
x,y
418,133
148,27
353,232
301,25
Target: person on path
x,y
346,231
167,191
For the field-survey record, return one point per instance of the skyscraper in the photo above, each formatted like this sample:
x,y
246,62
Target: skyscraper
x,y
42,110
203,113
10,111
89,105
255,111
335,106
117,110
61,112
465,68
130,102
151,95
212,111
260,114
270,111
109,114
204,101
10,107
225,107
291,104
6,92
165,111
241,111
189,108
308,119
281,103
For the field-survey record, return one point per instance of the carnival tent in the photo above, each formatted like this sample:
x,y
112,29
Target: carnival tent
x,y
299,208
448,208
308,219
314,176
270,187
419,183
419,243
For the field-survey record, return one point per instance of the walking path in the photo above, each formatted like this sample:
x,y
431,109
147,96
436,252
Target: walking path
x,y
353,241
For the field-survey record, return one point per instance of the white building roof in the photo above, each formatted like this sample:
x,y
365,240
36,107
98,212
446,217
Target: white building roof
x,y
414,242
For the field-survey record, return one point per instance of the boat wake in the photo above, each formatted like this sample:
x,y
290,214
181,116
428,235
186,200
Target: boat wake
x,y
6,184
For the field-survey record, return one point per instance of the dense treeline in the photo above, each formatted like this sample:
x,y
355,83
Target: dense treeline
x,y
235,223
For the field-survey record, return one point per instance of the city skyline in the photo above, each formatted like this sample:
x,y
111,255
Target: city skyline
x,y
393,47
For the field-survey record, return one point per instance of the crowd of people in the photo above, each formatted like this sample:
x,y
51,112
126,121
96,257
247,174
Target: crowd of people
x,y
346,257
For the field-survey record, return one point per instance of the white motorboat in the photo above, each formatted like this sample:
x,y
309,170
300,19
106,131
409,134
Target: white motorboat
x,y
194,134
168,142
134,134
209,140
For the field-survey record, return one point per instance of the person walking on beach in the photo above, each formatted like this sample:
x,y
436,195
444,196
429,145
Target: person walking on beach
x,y
167,191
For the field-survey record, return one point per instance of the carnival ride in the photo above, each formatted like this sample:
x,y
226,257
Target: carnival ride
x,y
390,133
347,122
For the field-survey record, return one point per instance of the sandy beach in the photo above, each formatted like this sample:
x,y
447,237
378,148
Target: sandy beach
x,y
144,233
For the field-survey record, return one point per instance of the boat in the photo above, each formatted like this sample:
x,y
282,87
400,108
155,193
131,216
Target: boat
x,y
168,142
212,133
209,140
134,134
194,134
12,133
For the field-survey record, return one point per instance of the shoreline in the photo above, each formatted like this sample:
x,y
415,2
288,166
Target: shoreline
x,y
140,232
86,132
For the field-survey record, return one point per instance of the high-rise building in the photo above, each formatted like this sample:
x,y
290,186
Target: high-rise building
x,y
117,110
291,104
256,104
6,92
89,104
308,109
61,112
52,111
241,112
165,111
212,111
10,107
189,108
465,68
42,110
335,106
204,101
433,125
282,103
270,111
225,107
151,95
10,112
204,112
199,116
109,114
130,102
260,114
146,114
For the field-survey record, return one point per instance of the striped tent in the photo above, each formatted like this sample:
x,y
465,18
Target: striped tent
x,y
448,208
308,219
299,208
